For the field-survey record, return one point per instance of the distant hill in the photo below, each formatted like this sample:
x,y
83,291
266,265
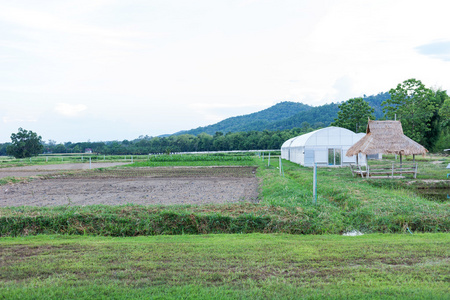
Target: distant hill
x,y
285,115
375,102
256,121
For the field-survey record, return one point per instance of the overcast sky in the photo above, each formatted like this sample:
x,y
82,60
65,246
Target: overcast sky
x,y
112,70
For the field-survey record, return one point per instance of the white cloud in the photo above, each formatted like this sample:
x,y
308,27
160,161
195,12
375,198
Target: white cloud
x,y
8,119
165,66
70,110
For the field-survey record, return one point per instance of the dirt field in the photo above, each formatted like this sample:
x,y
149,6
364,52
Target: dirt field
x,y
173,185
48,169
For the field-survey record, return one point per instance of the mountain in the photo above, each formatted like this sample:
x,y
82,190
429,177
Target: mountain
x,y
319,116
256,121
375,102
285,115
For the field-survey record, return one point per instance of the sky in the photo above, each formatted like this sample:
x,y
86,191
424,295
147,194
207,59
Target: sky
x,y
112,70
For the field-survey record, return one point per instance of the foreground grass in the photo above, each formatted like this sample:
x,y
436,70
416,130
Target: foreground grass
x,y
226,266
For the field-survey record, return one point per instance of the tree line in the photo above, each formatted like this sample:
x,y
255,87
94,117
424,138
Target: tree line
x,y
423,112
251,140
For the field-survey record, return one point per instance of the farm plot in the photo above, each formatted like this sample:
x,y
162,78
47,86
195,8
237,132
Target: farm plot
x,y
145,186
34,170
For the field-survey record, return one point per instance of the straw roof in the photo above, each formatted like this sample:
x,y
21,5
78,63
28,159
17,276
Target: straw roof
x,y
386,137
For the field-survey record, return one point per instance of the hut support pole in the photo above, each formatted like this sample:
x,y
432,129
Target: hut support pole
x,y
367,167
400,160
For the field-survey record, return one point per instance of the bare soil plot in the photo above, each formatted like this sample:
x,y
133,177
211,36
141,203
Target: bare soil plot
x,y
48,169
146,186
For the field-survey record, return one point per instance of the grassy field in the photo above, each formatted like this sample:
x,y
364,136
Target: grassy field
x,y
243,266
133,251
344,203
195,160
151,160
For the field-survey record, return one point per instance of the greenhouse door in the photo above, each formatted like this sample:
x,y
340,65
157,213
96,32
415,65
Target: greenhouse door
x,y
334,157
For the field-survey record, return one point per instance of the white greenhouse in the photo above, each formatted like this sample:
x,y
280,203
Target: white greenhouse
x,y
326,147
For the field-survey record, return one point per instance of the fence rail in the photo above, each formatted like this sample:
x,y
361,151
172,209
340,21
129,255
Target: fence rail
x,y
384,170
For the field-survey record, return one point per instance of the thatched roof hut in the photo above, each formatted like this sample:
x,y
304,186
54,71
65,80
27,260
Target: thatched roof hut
x,y
386,137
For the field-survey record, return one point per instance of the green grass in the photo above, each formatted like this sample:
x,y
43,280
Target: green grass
x,y
344,203
196,160
240,266
219,159
13,180
176,256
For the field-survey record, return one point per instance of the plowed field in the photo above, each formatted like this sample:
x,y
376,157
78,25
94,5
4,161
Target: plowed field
x,y
146,186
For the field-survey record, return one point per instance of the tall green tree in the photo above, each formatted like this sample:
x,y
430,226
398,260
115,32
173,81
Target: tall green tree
x,y
444,113
353,115
443,141
437,120
25,144
414,105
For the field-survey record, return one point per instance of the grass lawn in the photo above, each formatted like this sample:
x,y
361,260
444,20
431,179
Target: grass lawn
x,y
242,266
73,252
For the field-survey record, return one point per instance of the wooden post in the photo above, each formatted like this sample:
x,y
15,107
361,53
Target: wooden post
x,y
367,166
315,184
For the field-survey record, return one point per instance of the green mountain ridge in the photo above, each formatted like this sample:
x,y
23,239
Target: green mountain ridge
x,y
284,115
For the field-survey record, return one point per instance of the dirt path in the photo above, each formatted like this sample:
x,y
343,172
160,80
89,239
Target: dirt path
x,y
154,186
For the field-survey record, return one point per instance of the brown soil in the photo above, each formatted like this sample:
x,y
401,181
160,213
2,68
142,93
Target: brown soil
x,y
146,186
47,169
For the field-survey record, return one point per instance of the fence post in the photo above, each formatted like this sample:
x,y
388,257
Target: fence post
x,y
90,165
131,158
279,163
392,170
268,164
315,184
